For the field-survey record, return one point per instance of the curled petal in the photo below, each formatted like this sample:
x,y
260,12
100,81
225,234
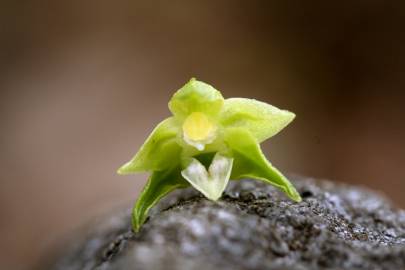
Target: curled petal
x,y
249,162
159,184
155,154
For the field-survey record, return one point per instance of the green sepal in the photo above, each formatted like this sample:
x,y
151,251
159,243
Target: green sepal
x,y
262,120
159,148
160,183
249,162
196,96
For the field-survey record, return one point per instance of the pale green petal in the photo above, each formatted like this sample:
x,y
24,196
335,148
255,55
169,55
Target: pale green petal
x,y
249,162
159,150
261,119
196,96
159,184
213,182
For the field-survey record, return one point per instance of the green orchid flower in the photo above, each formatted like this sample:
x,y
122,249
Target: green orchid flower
x,y
206,142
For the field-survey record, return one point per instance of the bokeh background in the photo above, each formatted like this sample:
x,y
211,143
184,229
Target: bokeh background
x,y
83,83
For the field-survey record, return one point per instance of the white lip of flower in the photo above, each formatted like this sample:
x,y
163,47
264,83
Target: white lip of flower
x,y
213,182
198,130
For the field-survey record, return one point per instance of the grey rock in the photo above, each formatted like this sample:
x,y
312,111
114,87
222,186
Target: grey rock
x,y
253,226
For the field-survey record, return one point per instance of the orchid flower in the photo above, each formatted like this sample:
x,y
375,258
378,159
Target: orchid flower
x,y
208,141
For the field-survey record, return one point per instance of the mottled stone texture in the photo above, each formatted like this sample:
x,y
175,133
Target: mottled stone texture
x,y
253,226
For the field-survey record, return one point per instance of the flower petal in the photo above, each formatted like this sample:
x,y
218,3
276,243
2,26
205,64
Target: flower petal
x,y
155,154
249,162
220,172
196,96
212,183
261,119
159,184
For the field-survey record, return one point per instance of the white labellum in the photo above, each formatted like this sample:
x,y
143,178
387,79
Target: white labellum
x,y
213,182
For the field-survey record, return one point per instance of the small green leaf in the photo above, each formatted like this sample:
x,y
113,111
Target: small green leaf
x,y
160,147
196,96
159,184
249,162
261,119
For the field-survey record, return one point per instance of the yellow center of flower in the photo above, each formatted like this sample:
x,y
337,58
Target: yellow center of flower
x,y
197,127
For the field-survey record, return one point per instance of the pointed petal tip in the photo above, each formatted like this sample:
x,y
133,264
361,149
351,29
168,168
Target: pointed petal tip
x,y
291,116
294,195
121,171
125,169
297,198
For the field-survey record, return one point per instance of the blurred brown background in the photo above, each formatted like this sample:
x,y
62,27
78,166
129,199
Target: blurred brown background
x,y
84,82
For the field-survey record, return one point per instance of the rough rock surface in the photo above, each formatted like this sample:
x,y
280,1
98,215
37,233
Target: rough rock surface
x,y
253,226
